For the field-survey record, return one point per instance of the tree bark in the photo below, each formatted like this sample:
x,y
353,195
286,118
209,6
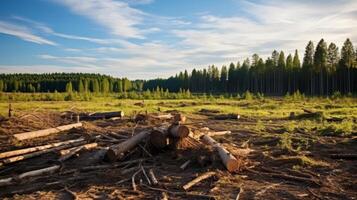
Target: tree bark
x,y
117,151
13,180
198,179
85,146
159,137
37,148
45,132
69,153
229,161
179,131
38,153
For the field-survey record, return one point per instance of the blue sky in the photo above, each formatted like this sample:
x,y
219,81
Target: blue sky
x,y
143,39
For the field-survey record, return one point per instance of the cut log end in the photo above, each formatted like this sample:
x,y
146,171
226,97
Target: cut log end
x,y
159,139
232,165
111,155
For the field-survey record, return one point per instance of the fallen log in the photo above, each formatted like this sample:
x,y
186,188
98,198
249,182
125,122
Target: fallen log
x,y
159,137
13,180
45,132
37,148
162,117
198,179
106,115
38,153
117,151
179,131
179,119
69,153
229,161
345,156
153,177
226,116
86,147
217,133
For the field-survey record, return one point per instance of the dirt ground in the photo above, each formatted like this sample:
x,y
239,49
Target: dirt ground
x,y
270,169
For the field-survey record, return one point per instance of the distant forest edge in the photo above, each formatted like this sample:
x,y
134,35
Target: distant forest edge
x,y
324,70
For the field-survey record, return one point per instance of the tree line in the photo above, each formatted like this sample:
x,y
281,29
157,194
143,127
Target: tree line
x,y
66,82
323,71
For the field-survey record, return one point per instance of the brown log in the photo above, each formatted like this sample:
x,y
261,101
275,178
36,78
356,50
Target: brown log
x,y
159,137
13,180
198,179
45,132
227,116
37,148
179,118
229,161
69,153
153,177
179,131
38,153
86,147
117,151
162,117
217,133
106,115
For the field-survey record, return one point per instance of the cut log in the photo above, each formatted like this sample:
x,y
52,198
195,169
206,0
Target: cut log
x,y
106,115
38,153
74,151
229,161
86,147
179,119
37,148
179,131
159,137
45,132
198,179
162,117
216,133
153,177
344,156
13,180
117,151
227,116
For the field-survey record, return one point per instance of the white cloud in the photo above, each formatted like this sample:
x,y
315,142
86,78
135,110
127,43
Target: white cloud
x,y
23,33
117,16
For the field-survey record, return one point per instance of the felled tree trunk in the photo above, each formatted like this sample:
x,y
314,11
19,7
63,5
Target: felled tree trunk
x,y
229,161
37,148
38,153
12,180
106,115
117,151
179,131
227,116
45,132
159,137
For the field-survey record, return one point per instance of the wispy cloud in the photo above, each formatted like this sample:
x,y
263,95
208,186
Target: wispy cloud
x,y
117,16
23,33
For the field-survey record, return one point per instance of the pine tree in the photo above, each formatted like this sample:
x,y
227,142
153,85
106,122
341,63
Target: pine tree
x,y
81,87
69,88
332,62
223,79
348,60
320,62
308,64
289,71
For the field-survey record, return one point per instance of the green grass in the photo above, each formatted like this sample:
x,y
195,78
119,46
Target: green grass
x,y
260,109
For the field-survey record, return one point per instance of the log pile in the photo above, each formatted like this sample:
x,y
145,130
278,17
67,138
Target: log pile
x,y
129,152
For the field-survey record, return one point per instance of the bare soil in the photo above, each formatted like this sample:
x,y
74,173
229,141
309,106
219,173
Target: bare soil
x,y
269,171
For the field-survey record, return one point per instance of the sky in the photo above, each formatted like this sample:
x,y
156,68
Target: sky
x,y
144,39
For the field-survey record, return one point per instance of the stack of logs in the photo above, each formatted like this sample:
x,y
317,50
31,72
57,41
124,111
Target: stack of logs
x,y
162,137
